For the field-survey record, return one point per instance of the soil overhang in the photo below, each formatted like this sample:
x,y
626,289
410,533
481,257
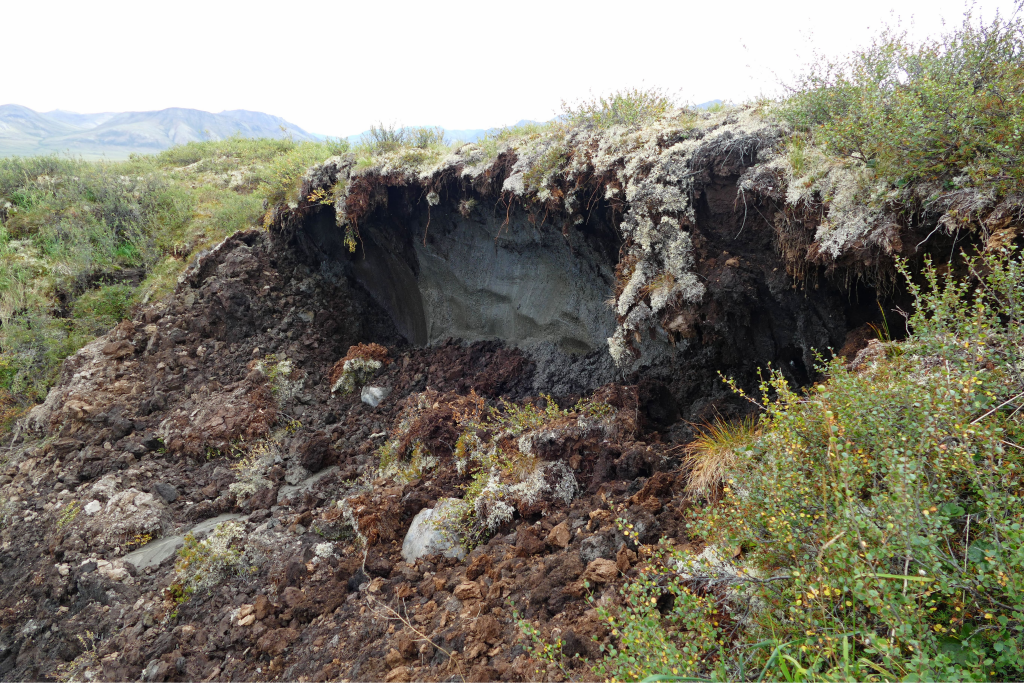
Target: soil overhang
x,y
664,277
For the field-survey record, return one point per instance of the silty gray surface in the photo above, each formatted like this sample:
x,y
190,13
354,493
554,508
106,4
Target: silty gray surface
x,y
152,554
304,485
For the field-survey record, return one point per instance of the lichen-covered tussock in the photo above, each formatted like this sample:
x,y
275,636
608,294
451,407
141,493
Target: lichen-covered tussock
x,y
826,212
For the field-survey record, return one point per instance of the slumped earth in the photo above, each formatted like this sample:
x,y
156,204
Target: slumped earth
x,y
217,419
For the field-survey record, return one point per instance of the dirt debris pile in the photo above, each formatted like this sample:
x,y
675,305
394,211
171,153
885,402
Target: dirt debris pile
x,y
217,407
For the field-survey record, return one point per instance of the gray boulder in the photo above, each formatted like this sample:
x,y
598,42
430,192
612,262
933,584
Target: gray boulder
x,y
424,538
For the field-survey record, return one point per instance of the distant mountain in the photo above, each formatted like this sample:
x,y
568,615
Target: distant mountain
x,y
21,129
116,135
79,120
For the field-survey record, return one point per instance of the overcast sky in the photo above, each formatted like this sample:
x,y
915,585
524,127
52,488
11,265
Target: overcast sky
x,y
335,67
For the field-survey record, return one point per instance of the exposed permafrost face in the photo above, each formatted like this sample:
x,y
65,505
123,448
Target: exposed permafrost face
x,y
518,284
477,279
525,285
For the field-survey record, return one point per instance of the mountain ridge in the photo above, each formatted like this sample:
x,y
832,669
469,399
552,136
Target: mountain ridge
x,y
117,135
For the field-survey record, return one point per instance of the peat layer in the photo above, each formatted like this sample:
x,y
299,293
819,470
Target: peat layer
x,y
632,279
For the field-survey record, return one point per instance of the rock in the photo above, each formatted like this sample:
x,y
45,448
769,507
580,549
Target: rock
x,y
483,673
262,607
92,508
262,499
297,490
131,513
247,620
573,645
112,571
317,452
478,567
658,485
372,396
157,671
603,544
293,596
277,641
425,539
600,571
357,580
625,559
378,565
560,535
120,349
393,658
168,493
874,350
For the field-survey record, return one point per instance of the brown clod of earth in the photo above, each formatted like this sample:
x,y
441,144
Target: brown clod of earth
x,y
600,571
559,536
365,351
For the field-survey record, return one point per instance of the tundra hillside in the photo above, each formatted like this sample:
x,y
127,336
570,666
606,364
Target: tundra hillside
x,y
731,394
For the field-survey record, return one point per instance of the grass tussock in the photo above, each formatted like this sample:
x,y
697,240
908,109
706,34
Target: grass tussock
x,y
713,451
630,107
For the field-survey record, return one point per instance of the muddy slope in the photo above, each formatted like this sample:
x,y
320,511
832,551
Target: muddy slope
x,y
476,298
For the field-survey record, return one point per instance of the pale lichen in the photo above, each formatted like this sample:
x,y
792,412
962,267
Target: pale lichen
x,y
355,373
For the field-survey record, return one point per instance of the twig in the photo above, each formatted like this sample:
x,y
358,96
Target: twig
x,y
825,547
1009,400
744,223
422,636
427,226
967,541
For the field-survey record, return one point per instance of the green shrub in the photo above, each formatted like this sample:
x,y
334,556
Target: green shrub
x,y
279,178
871,528
426,136
71,222
202,565
383,137
631,107
949,109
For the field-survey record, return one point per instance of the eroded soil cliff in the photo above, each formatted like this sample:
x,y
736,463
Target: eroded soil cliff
x,y
217,405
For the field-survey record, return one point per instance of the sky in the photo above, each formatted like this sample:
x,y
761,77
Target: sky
x,y
336,67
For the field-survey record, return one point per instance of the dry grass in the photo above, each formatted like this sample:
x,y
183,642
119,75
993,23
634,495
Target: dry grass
x,y
713,451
